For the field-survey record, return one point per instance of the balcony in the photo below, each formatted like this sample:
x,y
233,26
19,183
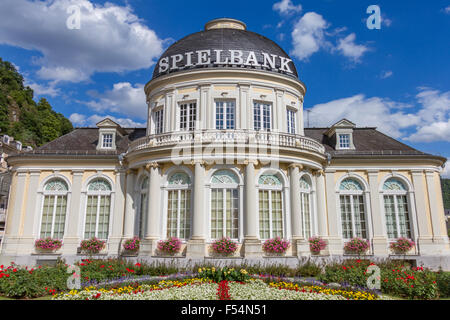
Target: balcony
x,y
225,137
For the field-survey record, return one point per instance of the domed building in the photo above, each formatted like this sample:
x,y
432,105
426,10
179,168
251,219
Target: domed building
x,y
225,154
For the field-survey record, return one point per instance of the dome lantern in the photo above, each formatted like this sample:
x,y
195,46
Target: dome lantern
x,y
225,23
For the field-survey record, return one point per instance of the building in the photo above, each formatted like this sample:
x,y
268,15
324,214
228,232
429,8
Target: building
x,y
8,146
225,153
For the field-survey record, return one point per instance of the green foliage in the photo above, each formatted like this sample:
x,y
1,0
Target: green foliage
x,y
443,282
223,274
308,270
35,123
446,192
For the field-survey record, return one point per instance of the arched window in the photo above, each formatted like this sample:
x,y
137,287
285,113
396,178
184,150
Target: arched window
x,y
98,209
396,209
305,206
270,207
143,203
179,206
353,212
224,205
54,209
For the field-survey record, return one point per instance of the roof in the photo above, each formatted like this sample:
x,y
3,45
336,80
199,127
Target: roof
x,y
367,141
223,39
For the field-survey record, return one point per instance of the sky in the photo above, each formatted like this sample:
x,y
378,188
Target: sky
x,y
395,78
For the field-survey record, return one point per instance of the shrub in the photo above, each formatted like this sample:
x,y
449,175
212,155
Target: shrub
x,y
92,245
224,246
317,244
308,269
276,245
169,246
223,274
48,244
402,245
356,246
443,283
132,245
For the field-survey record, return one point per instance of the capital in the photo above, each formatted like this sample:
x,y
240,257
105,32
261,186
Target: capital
x,y
150,165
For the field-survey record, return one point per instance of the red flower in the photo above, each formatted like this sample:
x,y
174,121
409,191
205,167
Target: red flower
x,y
138,264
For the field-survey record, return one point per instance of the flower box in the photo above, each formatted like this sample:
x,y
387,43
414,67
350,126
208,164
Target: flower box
x,y
92,246
47,245
402,246
275,247
131,247
316,245
356,246
169,247
224,248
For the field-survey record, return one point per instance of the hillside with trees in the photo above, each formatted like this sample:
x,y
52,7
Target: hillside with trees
x,y
32,123
446,192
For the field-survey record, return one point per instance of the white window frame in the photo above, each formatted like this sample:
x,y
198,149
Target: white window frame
x,y
158,120
395,194
180,188
348,143
56,194
188,124
306,193
291,119
278,188
352,194
98,195
106,142
258,116
225,113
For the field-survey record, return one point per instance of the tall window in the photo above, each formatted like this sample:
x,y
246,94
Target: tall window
x,y
54,209
225,115
305,206
224,205
291,120
396,209
270,207
98,209
344,141
107,140
188,116
159,121
179,206
143,204
353,215
262,116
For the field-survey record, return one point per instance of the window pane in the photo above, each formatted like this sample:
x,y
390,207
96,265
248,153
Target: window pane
x,y
305,207
143,215
403,217
47,212
346,217
277,219
391,223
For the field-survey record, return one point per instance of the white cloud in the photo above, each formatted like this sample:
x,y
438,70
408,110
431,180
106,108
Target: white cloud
x,y
80,120
446,172
110,39
428,119
386,74
378,112
43,90
447,10
123,98
308,35
286,7
350,49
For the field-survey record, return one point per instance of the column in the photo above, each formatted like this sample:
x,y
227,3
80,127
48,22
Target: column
x,y
245,110
300,124
298,241
379,239
129,205
118,213
279,112
436,209
321,204
196,245
152,232
205,111
425,233
252,244
72,238
168,111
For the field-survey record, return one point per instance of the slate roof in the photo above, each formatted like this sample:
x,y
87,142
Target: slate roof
x,y
367,141
223,39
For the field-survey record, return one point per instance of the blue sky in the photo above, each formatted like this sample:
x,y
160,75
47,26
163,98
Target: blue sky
x,y
395,78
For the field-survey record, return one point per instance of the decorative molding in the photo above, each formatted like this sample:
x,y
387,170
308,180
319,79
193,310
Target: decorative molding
x,y
150,165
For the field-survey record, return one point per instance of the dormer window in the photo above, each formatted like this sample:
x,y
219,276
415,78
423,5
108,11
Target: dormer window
x,y
341,135
108,133
107,140
344,141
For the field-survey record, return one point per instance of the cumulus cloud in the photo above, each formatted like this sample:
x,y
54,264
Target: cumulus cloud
x,y
446,10
382,113
446,172
124,98
426,120
43,90
350,49
308,35
110,39
286,7
80,120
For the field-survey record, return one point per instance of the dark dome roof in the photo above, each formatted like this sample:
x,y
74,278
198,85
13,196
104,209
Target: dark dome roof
x,y
224,39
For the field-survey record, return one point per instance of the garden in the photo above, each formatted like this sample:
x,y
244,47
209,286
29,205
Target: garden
x,y
132,279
